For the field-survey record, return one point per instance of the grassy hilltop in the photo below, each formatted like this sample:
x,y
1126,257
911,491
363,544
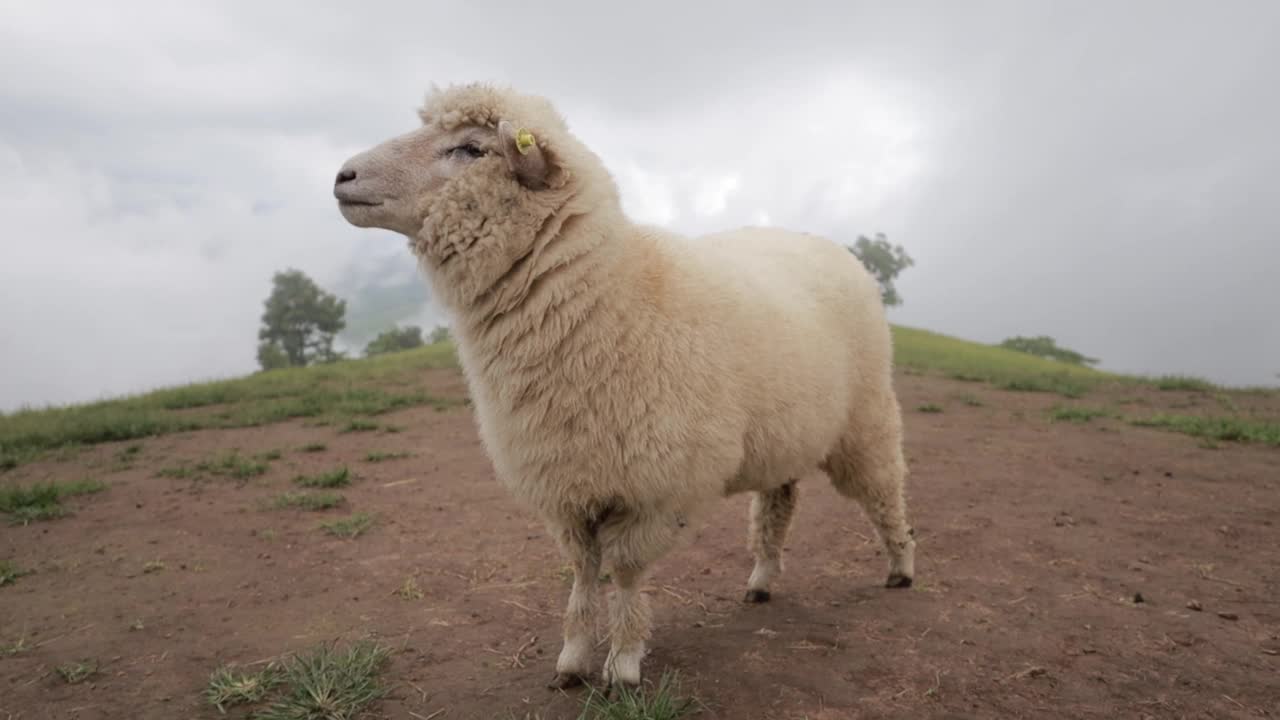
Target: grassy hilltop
x,y
346,391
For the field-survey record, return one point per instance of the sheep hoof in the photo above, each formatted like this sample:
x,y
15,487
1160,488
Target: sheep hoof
x,y
564,681
757,596
898,581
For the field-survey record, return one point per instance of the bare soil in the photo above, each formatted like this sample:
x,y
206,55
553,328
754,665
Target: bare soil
x,y
1057,569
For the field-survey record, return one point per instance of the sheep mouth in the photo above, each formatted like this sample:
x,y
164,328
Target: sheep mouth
x,y
357,203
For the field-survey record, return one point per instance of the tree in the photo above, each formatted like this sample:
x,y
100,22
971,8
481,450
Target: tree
x,y
885,262
395,340
299,322
440,334
1046,347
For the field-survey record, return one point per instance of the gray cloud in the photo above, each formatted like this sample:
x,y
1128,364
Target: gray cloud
x,y
1100,174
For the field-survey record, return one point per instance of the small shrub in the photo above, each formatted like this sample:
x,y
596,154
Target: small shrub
x,y
377,456
307,501
338,477
351,527
929,408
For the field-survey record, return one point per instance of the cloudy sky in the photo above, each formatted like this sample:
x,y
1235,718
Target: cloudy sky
x,y
1103,174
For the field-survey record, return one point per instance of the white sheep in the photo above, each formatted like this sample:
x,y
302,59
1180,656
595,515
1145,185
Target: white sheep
x,y
622,376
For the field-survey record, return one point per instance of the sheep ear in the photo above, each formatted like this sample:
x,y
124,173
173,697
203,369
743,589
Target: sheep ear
x,y
527,161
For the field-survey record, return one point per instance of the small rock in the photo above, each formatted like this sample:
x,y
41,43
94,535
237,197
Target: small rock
x,y
1193,605
1089,651
1168,473
1228,616
1137,598
699,623
706,571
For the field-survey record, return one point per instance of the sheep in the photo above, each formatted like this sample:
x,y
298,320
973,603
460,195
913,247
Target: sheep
x,y
624,377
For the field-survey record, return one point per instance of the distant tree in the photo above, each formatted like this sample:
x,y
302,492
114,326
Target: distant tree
x,y
440,334
885,262
299,322
1046,347
395,340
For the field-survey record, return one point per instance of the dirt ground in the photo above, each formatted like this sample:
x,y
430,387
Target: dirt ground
x,y
1035,538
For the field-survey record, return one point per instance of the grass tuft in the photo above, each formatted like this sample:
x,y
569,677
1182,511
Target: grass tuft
x,y
229,464
229,686
351,527
307,501
662,703
929,408
379,456
359,426
9,573
1183,382
338,477
328,684
42,501
314,447
1217,429
1076,413
74,672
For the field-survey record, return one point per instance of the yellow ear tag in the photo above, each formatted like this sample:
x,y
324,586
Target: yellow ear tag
x,y
524,141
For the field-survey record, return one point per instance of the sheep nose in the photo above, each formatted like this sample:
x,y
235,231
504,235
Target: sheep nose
x,y
344,176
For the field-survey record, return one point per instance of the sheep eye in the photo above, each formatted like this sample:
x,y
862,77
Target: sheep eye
x,y
469,150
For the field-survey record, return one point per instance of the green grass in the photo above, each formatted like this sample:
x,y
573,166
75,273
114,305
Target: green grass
x,y
338,477
1077,413
351,527
42,501
78,671
342,390
9,573
314,447
977,362
307,501
229,464
1183,382
329,684
929,408
358,426
1230,429
228,686
662,702
379,456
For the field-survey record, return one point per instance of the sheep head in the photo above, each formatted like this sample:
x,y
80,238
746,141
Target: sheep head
x,y
393,184
489,175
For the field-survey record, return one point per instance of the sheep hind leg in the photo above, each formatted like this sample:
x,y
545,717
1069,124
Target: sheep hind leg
x,y
868,466
771,513
573,666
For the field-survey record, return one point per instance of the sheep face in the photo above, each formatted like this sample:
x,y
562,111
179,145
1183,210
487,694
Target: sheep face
x,y
394,185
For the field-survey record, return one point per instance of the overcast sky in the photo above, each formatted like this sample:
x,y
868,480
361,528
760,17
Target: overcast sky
x,y
1102,173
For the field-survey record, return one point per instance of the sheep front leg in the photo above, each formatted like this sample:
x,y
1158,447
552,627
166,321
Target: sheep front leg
x,y
574,664
771,513
629,628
